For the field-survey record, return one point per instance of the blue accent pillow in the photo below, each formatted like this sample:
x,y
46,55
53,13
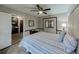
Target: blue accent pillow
x,y
61,36
69,43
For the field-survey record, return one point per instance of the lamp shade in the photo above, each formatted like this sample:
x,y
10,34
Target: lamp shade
x,y
63,25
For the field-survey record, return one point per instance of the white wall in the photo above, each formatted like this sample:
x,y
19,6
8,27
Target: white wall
x,y
40,22
10,11
23,16
51,30
30,18
26,27
5,30
62,18
73,23
72,8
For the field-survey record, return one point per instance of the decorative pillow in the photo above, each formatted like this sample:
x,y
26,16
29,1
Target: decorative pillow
x,y
61,36
70,43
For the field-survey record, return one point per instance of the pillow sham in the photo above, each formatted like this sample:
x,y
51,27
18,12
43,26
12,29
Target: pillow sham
x,y
69,43
61,36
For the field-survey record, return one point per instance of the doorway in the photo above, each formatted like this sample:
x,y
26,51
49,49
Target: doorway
x,y
17,30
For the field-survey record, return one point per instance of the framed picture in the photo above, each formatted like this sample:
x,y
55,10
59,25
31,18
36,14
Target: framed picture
x,y
30,23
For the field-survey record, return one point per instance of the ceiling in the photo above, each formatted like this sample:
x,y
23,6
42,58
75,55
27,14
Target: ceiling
x,y
26,8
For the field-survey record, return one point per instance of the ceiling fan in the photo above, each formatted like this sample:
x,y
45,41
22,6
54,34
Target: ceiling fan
x,y
40,10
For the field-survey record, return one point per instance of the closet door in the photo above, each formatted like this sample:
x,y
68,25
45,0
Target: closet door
x,y
5,30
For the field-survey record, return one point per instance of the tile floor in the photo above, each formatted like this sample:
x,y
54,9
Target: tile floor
x,y
14,49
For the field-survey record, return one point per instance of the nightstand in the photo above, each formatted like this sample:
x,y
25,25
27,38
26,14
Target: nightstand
x,y
59,31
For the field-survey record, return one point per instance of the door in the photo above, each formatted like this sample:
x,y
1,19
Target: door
x,y
21,26
21,29
5,30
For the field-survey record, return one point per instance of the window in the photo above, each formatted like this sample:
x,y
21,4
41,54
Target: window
x,y
49,23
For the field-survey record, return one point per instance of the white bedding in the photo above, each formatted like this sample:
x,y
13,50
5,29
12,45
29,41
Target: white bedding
x,y
42,43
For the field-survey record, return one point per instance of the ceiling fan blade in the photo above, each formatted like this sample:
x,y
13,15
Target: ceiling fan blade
x,y
44,12
46,9
39,8
35,10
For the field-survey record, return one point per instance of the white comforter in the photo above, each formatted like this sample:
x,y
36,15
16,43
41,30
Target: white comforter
x,y
42,43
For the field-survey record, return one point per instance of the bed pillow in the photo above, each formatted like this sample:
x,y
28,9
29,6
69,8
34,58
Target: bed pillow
x,y
69,43
61,36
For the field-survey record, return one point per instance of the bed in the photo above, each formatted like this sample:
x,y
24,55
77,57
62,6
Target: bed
x,y
42,43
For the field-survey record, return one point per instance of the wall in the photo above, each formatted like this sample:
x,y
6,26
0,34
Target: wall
x,y
26,27
72,8
61,18
51,30
5,30
23,16
30,18
40,22
73,23
5,39
10,11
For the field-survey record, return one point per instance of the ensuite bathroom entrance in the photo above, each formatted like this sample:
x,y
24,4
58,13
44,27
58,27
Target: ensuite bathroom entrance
x,y
17,29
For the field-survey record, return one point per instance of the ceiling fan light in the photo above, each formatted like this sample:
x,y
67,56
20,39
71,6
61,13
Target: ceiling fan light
x,y
40,12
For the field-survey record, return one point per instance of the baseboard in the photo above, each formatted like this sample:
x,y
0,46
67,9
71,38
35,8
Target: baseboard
x,y
5,48
8,46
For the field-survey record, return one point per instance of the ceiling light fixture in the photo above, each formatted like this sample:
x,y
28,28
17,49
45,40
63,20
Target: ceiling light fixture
x,y
40,12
